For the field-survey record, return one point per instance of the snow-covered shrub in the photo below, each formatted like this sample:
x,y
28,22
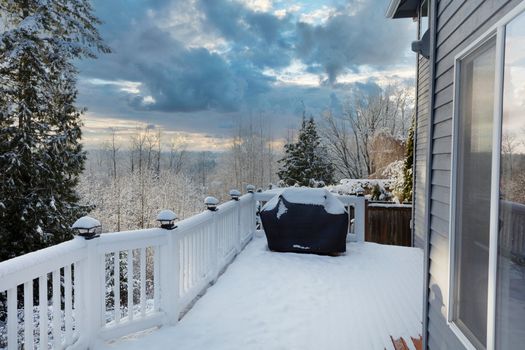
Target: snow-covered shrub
x,y
395,172
376,189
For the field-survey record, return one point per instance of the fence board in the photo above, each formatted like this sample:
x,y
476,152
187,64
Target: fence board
x,y
389,224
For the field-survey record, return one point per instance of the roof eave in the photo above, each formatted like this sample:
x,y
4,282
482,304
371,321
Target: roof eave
x,y
392,8
402,9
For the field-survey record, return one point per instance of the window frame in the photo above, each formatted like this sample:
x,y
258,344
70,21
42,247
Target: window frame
x,y
495,31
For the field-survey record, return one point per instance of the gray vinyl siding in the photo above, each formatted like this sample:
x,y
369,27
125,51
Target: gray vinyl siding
x,y
420,151
458,23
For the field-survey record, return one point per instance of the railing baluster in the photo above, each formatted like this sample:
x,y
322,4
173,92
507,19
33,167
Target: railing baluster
x,y
199,254
218,245
68,305
180,256
43,309
143,281
182,267
56,322
12,319
28,315
116,286
156,277
77,296
103,285
209,232
206,252
193,257
130,284
187,254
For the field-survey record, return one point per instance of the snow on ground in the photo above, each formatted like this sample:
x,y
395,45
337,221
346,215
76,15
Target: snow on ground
x,y
268,300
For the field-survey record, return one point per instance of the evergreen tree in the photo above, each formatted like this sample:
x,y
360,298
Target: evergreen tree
x,y
306,161
40,153
408,166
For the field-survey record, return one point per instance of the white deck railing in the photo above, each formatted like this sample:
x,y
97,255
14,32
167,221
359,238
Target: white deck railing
x,y
85,303
123,282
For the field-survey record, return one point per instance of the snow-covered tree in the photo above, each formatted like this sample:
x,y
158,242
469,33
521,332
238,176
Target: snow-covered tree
x,y
409,166
356,139
40,154
250,159
306,161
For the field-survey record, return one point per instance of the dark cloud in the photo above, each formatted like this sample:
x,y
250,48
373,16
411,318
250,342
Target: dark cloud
x,y
347,41
177,79
260,38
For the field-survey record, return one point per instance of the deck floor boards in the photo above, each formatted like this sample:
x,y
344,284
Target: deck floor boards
x,y
268,300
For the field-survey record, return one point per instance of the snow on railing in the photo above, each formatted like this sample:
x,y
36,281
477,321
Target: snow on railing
x,y
83,291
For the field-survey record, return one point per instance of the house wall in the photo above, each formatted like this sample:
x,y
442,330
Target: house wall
x,y
420,151
458,23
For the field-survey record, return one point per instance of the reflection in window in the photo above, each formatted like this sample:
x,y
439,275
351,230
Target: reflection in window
x,y
476,108
424,18
510,307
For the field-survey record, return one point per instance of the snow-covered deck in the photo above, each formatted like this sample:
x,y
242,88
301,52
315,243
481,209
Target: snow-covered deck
x,y
268,300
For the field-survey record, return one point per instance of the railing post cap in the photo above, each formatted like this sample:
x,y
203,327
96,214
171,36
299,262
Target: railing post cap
x,y
166,214
250,188
211,200
87,227
167,218
235,194
211,203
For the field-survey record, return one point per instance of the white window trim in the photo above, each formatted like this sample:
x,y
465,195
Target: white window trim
x,y
497,30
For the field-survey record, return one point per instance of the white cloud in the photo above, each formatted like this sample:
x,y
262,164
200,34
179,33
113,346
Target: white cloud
x,y
318,16
296,74
148,100
281,13
258,5
184,22
131,87
98,130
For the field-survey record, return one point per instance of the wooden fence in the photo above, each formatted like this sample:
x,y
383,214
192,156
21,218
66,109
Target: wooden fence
x,y
388,223
512,230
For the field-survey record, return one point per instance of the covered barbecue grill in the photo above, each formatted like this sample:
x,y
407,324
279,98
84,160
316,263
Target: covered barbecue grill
x,y
305,220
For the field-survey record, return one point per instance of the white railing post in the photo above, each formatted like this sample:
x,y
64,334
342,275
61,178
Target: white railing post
x,y
238,246
254,217
91,292
360,219
211,204
169,268
92,298
253,222
215,248
235,195
169,278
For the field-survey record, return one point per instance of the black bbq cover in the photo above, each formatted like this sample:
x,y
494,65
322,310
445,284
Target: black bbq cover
x,y
305,220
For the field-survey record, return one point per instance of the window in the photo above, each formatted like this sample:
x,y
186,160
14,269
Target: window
x,y
487,267
476,104
510,286
424,18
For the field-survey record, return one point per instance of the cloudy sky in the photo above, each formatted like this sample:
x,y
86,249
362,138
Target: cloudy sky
x,y
196,67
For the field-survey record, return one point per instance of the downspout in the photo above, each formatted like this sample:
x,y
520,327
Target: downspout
x,y
428,201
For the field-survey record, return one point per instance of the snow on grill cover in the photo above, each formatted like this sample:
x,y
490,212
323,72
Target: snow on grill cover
x,y
305,220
